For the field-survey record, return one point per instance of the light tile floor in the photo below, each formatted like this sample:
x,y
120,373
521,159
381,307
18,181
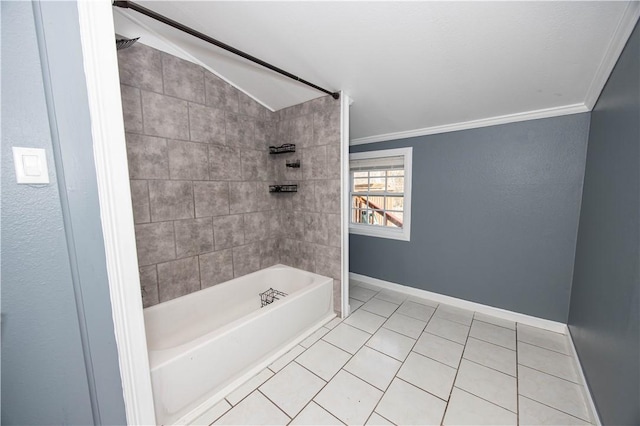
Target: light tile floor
x,y
404,360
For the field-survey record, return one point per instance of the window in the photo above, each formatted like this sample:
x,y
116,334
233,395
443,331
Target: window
x,y
380,192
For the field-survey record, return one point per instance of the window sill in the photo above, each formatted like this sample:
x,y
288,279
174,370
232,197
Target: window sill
x,y
380,232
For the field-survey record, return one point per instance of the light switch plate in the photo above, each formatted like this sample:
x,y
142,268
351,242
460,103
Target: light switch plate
x,y
31,165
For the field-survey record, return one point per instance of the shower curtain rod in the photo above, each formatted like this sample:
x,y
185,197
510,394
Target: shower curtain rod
x,y
150,13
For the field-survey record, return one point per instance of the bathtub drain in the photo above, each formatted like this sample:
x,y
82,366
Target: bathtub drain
x,y
270,296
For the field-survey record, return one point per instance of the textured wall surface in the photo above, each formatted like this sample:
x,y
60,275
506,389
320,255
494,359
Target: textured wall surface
x,y
494,216
200,172
604,316
58,345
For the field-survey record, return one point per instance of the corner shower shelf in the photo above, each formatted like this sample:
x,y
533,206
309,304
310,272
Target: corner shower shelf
x,y
283,188
282,149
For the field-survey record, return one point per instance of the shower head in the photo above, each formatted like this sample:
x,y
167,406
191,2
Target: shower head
x,y
123,43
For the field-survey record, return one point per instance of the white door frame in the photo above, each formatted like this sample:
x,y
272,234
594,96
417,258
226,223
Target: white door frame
x,y
107,128
110,156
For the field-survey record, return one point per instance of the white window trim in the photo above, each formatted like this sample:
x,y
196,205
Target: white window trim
x,y
403,234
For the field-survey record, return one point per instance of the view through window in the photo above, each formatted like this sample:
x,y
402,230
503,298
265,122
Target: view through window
x,y
379,191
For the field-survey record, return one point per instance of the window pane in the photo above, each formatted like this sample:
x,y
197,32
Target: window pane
x,y
360,174
395,184
394,203
366,216
376,217
377,173
358,201
376,184
360,185
395,219
376,202
395,173
358,216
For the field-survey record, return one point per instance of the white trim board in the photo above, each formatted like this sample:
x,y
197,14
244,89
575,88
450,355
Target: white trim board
x,y
556,327
345,182
475,124
595,419
614,49
110,156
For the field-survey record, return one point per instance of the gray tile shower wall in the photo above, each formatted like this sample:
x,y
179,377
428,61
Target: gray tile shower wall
x,y
199,173
310,218
197,151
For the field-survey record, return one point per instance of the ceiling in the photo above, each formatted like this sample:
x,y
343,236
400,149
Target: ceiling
x,y
410,67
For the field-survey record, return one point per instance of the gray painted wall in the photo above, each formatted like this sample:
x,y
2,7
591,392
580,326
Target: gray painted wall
x,y
59,360
604,314
494,216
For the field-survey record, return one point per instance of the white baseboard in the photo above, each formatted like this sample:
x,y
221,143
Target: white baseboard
x,y
595,419
545,324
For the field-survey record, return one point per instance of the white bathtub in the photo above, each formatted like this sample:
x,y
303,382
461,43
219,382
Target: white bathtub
x,y
203,343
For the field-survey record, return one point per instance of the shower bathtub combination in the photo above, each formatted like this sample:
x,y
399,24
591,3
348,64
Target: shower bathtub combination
x,y
206,343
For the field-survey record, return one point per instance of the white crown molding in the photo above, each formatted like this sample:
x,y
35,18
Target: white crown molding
x,y
474,124
614,49
556,327
186,55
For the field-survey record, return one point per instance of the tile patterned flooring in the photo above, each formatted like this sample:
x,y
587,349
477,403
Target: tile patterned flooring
x,y
404,360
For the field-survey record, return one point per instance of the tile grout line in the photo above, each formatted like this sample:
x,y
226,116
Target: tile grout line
x,y
380,352
491,368
497,344
426,391
558,410
446,338
351,356
546,349
423,390
491,316
375,387
552,375
542,347
313,397
323,386
225,411
455,379
486,400
243,398
276,405
365,344
402,362
302,366
380,415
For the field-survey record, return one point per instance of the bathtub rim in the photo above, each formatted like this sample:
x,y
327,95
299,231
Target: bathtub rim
x,y
225,284
163,357
199,414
